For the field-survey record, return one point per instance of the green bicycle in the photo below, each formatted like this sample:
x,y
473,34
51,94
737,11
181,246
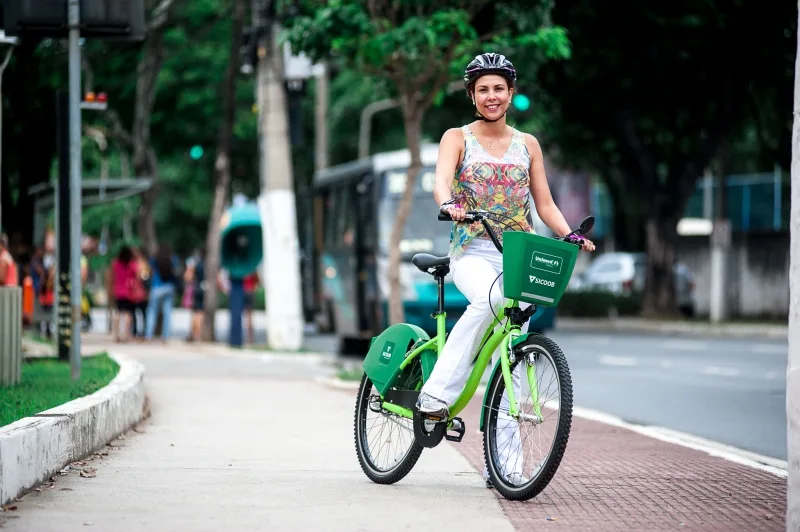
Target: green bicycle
x,y
529,390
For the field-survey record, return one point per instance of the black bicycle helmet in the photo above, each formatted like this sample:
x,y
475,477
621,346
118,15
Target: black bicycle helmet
x,y
490,63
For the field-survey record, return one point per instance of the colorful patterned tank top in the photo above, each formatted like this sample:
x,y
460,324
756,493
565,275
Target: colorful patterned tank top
x,y
497,185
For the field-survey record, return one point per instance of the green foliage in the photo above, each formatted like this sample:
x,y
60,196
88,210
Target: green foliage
x,y
646,97
420,45
46,383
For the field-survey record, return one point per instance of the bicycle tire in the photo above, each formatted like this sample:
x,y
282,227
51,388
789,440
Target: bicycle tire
x,y
374,473
539,482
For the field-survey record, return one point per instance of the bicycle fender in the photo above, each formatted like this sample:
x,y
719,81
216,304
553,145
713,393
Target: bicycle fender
x,y
498,367
387,351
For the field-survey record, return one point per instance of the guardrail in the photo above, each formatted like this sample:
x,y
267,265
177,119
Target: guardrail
x,y
10,335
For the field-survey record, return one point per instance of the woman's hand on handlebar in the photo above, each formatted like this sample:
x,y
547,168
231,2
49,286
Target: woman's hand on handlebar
x,y
582,241
588,245
456,211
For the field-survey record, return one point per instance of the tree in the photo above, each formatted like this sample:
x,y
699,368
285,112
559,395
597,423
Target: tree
x,y
646,100
222,167
417,47
145,162
793,367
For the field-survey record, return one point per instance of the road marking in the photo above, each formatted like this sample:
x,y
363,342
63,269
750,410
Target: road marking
x,y
727,452
772,349
666,364
611,360
773,375
686,345
721,371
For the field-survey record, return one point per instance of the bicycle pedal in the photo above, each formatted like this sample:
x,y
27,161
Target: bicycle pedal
x,y
458,427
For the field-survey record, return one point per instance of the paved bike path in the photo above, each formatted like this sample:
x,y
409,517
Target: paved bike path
x,y
614,479
238,443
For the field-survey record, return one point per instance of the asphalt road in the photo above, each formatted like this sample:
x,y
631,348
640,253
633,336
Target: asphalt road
x,y
729,391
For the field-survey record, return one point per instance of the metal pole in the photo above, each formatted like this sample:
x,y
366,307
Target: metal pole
x,y
777,199
75,181
321,119
365,127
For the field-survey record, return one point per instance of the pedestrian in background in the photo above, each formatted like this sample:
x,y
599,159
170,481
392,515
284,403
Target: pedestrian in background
x,y
124,271
163,283
141,294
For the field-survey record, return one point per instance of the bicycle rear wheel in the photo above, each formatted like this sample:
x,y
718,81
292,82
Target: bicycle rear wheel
x,y
523,453
385,444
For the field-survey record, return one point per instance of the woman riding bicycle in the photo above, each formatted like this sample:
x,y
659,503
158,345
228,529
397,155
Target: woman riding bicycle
x,y
486,165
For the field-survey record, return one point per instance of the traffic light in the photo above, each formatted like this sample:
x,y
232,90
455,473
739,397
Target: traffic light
x,y
521,102
196,152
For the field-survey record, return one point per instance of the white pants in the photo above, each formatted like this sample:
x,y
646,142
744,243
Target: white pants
x,y
473,274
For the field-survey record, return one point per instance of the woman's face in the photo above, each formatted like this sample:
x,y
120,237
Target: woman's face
x,y
492,95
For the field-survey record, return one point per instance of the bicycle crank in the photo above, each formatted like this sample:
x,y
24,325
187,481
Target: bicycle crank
x,y
429,432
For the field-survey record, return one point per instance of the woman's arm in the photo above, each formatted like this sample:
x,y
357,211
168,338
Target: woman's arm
x,y
540,190
451,149
542,198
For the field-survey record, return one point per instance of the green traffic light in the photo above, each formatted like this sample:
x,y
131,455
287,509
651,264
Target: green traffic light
x,y
521,102
196,152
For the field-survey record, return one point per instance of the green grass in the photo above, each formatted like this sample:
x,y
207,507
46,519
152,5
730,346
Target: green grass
x,y
46,383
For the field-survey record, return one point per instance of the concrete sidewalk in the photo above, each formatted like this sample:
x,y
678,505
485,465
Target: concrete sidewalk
x,y
249,442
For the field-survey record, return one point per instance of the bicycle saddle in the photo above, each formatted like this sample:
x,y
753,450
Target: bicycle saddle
x,y
425,262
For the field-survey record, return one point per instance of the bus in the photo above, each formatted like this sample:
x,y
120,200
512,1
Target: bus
x,y
354,206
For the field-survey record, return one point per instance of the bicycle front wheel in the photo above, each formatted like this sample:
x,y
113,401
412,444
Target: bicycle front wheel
x,y
385,444
524,451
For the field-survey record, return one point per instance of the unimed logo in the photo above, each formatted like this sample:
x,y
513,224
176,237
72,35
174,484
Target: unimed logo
x,y
546,262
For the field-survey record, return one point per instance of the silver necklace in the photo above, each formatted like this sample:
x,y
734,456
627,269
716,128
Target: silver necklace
x,y
495,142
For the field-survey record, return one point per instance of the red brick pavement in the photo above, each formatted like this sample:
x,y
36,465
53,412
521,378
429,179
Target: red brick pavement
x,y
615,479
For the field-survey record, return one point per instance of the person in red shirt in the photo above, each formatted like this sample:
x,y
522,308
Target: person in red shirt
x,y
250,283
8,268
124,271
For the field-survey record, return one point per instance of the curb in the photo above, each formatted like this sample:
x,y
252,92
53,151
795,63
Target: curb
x,y
34,448
774,332
338,384
775,466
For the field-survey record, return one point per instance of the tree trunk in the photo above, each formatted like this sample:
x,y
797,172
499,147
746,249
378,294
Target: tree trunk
x,y
628,219
412,118
223,173
145,163
659,290
793,367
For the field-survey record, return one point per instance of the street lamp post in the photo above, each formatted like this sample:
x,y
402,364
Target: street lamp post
x,y
12,41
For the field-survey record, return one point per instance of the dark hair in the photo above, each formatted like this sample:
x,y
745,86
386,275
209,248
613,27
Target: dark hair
x,y
125,255
164,263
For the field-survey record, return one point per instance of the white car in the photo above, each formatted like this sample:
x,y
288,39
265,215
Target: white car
x,y
624,273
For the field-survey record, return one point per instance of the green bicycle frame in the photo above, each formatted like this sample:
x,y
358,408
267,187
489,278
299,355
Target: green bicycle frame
x,y
492,338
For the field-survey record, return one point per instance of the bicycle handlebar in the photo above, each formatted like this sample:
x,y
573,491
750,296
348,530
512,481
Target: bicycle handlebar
x,y
480,216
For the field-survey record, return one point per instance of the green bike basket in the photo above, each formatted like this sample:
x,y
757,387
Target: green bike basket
x,y
536,269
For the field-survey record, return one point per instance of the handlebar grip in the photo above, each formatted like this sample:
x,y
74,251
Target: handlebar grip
x,y
468,217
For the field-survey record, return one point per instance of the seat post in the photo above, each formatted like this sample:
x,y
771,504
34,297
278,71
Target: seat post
x,y
440,284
